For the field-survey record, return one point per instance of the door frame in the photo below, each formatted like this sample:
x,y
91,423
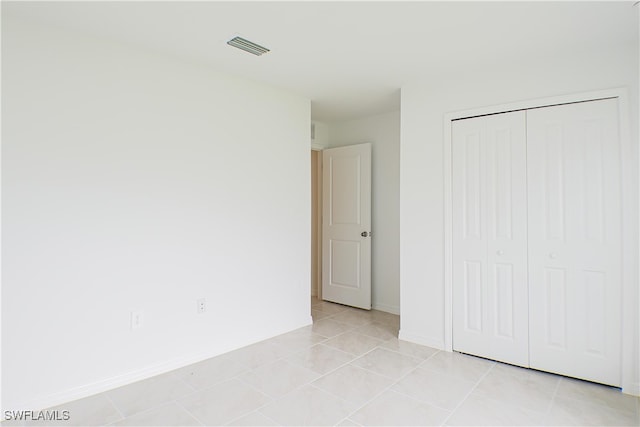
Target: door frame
x,y
317,244
630,222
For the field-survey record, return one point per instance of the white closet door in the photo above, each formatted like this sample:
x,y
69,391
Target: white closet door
x,y
489,237
575,240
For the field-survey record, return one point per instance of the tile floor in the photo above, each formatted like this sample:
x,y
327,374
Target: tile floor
x,y
349,369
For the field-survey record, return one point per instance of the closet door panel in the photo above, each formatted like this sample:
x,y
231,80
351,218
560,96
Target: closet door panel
x,y
575,240
489,237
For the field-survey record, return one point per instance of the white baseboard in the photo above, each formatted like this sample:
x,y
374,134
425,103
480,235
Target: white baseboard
x,y
65,396
421,339
631,388
393,309
101,386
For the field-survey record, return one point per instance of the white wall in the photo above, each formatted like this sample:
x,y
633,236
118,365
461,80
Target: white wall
x,y
424,104
383,132
138,182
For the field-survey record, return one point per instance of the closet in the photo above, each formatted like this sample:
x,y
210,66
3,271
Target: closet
x,y
536,239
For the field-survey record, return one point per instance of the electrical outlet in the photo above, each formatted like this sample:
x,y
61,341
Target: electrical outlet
x,y
202,305
136,319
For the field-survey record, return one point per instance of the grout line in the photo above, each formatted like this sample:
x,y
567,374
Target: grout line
x,y
338,350
190,413
422,401
214,384
453,411
547,413
355,357
388,388
348,419
256,410
336,368
424,362
374,397
122,416
181,379
357,408
414,397
270,400
383,375
417,367
267,416
419,359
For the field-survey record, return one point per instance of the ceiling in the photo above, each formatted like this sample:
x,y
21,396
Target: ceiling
x,y
349,58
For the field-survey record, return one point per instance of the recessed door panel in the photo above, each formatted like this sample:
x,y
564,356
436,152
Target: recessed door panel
x,y
343,254
594,311
471,190
504,301
593,182
555,321
554,182
473,295
345,187
503,185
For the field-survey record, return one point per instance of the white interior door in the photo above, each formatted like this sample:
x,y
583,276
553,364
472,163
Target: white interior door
x,y
575,240
346,225
490,316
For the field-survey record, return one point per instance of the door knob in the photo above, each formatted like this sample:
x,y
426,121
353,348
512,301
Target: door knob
x,y
365,234
553,255
500,253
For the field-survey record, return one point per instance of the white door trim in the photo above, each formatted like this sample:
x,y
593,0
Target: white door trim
x,y
630,222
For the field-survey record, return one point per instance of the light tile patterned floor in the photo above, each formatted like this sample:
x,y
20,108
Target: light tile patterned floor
x,y
350,369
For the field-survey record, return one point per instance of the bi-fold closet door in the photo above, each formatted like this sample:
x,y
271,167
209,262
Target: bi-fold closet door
x,y
537,239
490,237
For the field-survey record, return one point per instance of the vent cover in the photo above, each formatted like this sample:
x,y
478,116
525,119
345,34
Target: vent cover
x,y
247,46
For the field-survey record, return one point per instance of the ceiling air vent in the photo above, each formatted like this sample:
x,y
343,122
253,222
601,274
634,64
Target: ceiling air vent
x,y
247,46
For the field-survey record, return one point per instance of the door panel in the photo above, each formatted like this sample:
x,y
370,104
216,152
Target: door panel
x,y
344,173
473,180
346,263
575,240
489,237
503,186
556,307
473,296
554,188
504,297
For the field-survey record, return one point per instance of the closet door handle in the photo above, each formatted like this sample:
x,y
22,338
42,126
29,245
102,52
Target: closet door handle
x,y
553,255
500,253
